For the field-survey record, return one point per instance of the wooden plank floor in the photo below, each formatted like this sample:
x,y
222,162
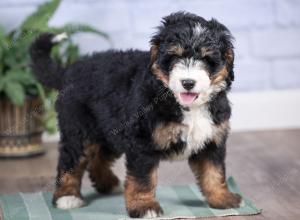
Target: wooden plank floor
x,y
266,166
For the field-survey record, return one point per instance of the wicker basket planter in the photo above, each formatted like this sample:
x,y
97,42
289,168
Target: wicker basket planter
x,y
20,128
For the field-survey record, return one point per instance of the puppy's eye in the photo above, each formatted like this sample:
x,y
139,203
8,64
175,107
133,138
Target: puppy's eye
x,y
166,61
167,58
212,61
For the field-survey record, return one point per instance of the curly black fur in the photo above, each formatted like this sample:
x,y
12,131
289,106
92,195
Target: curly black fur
x,y
114,99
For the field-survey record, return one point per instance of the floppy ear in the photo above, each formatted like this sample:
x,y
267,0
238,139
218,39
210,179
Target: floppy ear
x,y
226,73
155,69
229,57
153,54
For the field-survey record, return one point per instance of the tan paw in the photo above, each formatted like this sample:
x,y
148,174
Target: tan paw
x,y
151,210
225,201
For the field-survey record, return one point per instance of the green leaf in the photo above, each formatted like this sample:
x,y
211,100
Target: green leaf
x,y
25,37
2,82
2,32
57,54
3,47
32,91
1,60
15,92
72,54
51,124
17,56
1,53
39,19
50,119
41,92
21,76
2,38
71,29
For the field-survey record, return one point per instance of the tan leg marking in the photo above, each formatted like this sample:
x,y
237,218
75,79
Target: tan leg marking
x,y
211,180
99,168
220,132
70,181
165,135
141,199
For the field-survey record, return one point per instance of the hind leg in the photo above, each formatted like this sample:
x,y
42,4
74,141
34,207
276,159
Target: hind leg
x,y
99,168
74,127
68,182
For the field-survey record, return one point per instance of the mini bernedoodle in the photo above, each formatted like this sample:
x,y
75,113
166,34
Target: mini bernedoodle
x,y
168,103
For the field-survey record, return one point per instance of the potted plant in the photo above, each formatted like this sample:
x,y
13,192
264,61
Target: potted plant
x,y
26,107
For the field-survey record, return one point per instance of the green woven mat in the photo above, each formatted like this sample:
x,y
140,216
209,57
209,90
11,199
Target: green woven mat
x,y
177,202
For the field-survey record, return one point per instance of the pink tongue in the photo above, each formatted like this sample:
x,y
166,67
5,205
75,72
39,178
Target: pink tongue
x,y
188,98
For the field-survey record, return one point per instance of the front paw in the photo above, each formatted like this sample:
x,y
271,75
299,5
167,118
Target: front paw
x,y
151,210
69,202
225,201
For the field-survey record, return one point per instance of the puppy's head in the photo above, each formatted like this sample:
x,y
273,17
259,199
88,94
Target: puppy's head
x,y
193,57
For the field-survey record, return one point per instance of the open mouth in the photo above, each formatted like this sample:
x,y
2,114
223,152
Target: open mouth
x,y
188,98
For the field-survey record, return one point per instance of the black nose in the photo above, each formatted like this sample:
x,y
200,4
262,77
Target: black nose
x,y
188,84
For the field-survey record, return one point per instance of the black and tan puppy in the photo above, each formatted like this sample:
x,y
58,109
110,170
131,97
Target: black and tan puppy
x,y
167,104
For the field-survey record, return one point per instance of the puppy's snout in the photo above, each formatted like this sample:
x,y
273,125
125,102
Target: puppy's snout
x,y
188,84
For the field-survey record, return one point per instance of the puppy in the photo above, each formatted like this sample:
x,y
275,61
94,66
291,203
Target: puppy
x,y
166,104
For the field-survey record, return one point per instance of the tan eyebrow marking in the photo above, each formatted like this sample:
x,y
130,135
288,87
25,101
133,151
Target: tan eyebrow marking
x,y
206,51
176,49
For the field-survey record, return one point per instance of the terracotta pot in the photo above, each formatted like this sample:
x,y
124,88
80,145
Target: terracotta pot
x,y
20,128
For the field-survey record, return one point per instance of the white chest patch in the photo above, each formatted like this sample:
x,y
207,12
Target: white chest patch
x,y
199,130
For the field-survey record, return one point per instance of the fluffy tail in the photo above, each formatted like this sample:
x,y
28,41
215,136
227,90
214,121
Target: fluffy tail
x,y
48,72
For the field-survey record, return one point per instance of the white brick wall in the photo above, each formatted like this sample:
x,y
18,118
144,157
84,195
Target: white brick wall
x,y
286,73
267,32
287,12
276,43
